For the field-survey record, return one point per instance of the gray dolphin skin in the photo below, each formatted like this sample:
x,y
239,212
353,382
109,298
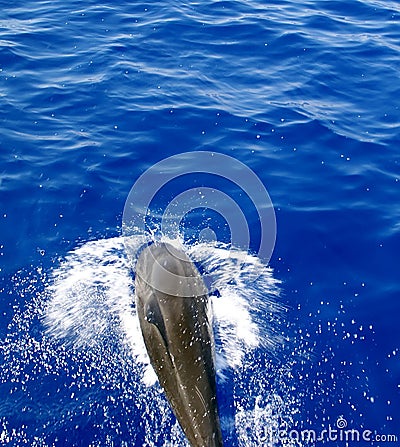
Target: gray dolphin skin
x,y
175,319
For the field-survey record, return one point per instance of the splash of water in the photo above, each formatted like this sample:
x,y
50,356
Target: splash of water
x,y
76,350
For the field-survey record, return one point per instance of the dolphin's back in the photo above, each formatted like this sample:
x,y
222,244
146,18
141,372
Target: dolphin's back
x,y
172,305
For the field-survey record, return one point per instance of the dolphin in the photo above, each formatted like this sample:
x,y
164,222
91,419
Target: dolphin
x,y
175,319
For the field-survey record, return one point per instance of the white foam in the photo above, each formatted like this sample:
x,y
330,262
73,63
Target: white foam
x,y
91,334
91,297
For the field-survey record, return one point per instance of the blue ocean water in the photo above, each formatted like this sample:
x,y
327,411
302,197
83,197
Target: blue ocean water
x,y
306,94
